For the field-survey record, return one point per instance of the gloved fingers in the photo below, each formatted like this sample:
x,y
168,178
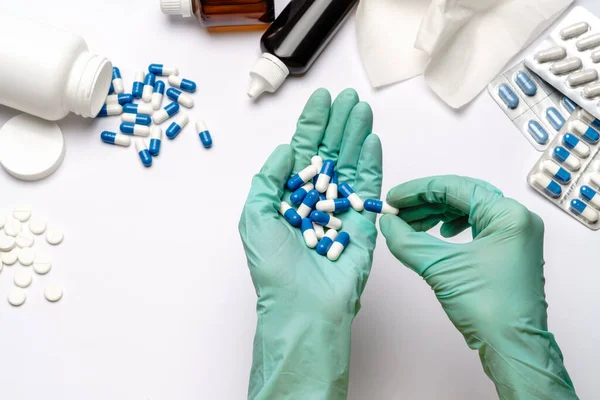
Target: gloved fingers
x,y
311,128
358,127
421,211
455,227
339,114
425,224
369,172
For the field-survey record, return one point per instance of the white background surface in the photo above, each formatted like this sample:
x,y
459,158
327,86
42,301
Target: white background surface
x,y
158,301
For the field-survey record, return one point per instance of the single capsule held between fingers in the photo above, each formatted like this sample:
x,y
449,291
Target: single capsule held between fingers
x,y
157,94
177,126
181,83
551,188
115,138
556,171
555,118
319,231
165,113
117,81
140,119
333,205
586,132
332,189
161,70
129,128
589,42
290,215
299,194
308,232
307,205
576,146
346,191
148,89
325,243
537,132
122,99
581,209
569,105
564,157
110,109
301,177
325,176
131,108
380,207
338,246
591,196
204,134
572,31
138,84
525,83
566,66
582,77
181,98
326,220
143,152
155,140
506,94
551,54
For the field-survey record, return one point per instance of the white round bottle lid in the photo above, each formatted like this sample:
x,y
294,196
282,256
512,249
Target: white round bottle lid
x,y
31,148
176,7
267,75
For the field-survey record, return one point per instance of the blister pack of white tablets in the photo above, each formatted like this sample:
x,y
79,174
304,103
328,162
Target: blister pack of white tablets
x,y
536,108
568,173
569,59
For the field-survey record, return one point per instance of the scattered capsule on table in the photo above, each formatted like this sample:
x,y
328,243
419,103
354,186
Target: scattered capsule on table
x,y
157,94
566,66
204,134
319,230
595,56
307,205
290,215
161,70
575,30
155,140
131,108
509,97
332,189
177,126
325,176
581,209
326,220
317,162
338,246
555,118
333,205
142,149
592,90
525,83
138,84
575,145
122,99
129,128
346,191
552,54
117,81
140,119
325,243
110,109
595,179
308,232
556,171
299,194
115,138
551,188
569,105
181,98
380,207
181,83
589,42
566,158
301,177
165,113
582,77
148,89
537,132
586,132
591,196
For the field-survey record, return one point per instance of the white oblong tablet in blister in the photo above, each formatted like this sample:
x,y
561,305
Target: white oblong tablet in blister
x,y
25,239
37,226
23,278
17,296
26,256
574,30
54,236
582,77
566,66
22,213
12,226
589,42
7,243
42,265
10,257
53,292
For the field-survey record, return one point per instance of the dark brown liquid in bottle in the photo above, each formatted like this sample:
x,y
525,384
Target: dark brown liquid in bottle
x,y
234,15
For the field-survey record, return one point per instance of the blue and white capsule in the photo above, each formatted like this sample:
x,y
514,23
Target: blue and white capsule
x,y
591,196
308,204
131,108
161,70
110,109
139,119
157,95
319,231
115,138
569,105
333,205
567,159
582,210
572,143
138,84
301,177
181,83
181,98
556,171
142,149
117,81
129,128
326,242
537,132
148,89
165,113
308,232
336,249
332,189
111,89
555,118
586,132
326,220
204,134
525,83
290,215
155,140
299,194
177,126
325,176
550,187
317,162
380,207
356,202
510,98
122,99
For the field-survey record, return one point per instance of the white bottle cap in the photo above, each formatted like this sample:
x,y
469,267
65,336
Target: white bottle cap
x,y
176,7
267,75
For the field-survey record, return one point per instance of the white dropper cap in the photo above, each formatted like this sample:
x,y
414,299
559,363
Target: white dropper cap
x,y
176,7
267,75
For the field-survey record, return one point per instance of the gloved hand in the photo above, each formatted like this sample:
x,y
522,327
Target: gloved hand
x,y
491,288
306,303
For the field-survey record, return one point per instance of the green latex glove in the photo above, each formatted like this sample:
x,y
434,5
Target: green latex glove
x,y
491,288
306,303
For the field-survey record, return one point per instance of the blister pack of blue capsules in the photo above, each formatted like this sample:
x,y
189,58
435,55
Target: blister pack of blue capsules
x,y
568,173
536,108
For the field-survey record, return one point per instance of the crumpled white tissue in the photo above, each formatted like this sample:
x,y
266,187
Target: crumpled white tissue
x,y
459,45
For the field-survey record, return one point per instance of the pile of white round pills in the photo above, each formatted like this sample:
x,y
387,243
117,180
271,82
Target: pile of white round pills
x,y
17,239
143,119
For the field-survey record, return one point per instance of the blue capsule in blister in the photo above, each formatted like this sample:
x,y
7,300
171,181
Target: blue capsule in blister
x,y
509,97
525,83
555,118
569,105
537,132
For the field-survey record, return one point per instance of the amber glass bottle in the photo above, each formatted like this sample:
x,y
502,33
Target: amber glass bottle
x,y
224,15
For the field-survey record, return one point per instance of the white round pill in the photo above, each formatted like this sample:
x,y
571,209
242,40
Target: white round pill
x,y
54,236
2,221
53,292
7,243
24,239
42,265
37,226
26,256
22,213
23,278
10,257
12,226
17,296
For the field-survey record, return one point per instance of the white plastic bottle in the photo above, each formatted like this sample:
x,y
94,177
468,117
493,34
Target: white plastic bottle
x,y
49,72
